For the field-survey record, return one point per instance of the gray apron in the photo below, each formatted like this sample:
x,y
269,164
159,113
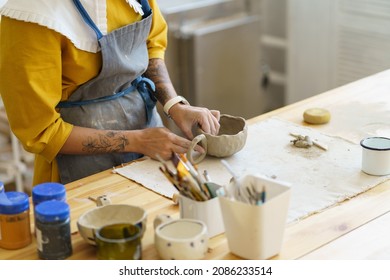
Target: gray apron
x,y
119,98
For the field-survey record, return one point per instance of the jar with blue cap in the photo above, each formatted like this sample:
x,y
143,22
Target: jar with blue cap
x,y
15,228
48,191
52,227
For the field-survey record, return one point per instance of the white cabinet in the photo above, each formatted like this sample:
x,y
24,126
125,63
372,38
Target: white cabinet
x,y
274,52
312,46
213,54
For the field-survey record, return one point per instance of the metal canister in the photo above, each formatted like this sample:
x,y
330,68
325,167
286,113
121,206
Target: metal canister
x,y
53,230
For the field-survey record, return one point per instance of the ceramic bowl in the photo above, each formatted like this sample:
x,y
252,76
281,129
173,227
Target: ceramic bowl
x,y
110,214
181,239
230,139
376,155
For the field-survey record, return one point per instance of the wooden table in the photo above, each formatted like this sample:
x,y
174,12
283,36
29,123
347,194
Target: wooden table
x,y
355,229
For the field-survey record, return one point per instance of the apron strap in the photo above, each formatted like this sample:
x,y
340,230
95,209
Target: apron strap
x,y
145,8
145,87
87,18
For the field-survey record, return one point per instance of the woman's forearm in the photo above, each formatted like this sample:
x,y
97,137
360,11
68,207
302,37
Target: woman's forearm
x,y
158,73
84,140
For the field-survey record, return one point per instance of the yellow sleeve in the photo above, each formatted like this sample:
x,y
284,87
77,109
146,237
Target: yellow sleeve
x,y
157,41
120,14
31,85
35,74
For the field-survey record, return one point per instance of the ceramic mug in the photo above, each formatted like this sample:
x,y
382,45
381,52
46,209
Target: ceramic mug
x,y
376,155
119,242
181,239
230,139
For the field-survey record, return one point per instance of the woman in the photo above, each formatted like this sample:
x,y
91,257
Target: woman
x,y
80,79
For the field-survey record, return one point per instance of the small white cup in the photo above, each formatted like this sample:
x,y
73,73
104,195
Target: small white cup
x,y
376,155
181,239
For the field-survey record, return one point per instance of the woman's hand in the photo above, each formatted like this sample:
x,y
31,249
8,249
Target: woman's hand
x,y
161,141
186,116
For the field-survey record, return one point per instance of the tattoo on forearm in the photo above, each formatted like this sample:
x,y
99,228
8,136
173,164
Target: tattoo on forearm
x,y
158,73
111,142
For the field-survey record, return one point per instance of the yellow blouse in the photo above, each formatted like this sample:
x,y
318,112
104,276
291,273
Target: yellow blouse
x,y
40,67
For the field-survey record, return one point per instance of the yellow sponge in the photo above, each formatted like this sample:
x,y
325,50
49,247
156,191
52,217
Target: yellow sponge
x,y
316,116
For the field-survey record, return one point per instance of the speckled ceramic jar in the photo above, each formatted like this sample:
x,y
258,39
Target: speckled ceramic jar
x,y
182,239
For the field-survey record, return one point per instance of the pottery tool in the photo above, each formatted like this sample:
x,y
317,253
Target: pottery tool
x,y
212,189
206,175
259,196
227,166
307,139
186,179
176,184
191,168
199,182
171,176
246,195
233,190
164,163
188,175
263,195
191,185
182,169
171,179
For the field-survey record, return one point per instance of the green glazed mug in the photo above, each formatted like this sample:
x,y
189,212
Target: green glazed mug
x,y
119,242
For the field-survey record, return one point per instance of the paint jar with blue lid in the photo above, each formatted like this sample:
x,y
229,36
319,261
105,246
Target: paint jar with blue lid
x,y
15,228
48,191
52,228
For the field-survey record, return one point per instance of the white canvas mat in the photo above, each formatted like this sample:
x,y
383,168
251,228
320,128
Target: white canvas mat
x,y
318,178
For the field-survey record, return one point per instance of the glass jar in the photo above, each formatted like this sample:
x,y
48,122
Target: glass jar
x,y
15,228
53,230
47,191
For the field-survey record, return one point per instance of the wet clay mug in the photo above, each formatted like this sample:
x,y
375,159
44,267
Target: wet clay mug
x,y
230,139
